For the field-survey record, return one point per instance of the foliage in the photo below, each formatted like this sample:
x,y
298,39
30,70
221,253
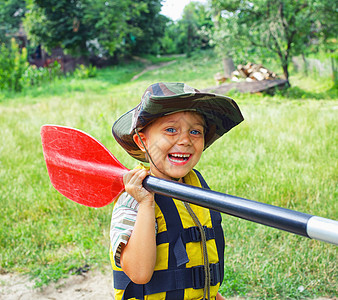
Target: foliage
x,y
17,74
240,29
173,41
168,42
13,64
108,26
146,28
55,23
11,14
84,72
34,76
137,30
327,12
225,38
96,27
191,33
197,23
284,28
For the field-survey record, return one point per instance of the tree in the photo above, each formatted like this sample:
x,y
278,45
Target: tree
x,y
58,23
282,27
192,32
327,35
224,38
168,43
99,27
11,14
109,25
197,22
146,28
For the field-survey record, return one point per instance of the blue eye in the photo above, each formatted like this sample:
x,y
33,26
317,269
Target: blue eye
x,y
171,130
195,132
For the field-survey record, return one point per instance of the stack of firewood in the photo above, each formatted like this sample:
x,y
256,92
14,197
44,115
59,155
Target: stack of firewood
x,y
253,72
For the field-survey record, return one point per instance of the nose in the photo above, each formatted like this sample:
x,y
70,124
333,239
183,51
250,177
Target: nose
x,y
184,139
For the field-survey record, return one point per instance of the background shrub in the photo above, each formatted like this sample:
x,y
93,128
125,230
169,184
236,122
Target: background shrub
x,y
13,64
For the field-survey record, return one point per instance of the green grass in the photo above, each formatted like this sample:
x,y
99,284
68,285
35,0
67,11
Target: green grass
x,y
284,153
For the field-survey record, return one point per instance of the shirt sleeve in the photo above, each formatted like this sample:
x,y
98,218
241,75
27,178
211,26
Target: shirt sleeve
x,y
122,223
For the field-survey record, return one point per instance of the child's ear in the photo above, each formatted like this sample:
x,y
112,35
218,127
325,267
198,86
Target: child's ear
x,y
140,143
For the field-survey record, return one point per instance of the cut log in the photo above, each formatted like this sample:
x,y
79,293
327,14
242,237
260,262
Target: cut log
x,y
258,76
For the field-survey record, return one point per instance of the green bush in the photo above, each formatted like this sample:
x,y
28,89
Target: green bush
x,y
34,76
13,63
16,73
83,72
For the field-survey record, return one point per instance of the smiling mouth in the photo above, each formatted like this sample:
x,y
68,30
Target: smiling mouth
x,y
178,157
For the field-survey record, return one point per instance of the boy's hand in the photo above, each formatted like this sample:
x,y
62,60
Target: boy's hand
x,y
138,256
133,186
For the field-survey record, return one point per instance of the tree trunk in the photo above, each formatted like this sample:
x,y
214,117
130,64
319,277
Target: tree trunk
x,y
228,67
334,69
189,40
286,73
306,68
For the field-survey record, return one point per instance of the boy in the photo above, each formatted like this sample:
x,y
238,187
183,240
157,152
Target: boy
x,y
163,248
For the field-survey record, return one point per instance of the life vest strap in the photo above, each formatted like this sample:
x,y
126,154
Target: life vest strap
x,y
170,280
191,234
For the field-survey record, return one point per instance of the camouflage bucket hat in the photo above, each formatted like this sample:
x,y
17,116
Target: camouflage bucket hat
x,y
220,113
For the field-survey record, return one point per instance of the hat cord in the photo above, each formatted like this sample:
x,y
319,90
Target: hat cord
x,y
145,148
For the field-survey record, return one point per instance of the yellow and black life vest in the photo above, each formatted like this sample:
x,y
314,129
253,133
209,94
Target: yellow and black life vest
x,y
179,269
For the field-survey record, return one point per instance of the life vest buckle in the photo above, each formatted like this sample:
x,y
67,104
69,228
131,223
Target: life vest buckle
x,y
215,274
195,235
198,276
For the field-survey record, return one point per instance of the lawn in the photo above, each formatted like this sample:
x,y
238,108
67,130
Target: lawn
x,y
284,153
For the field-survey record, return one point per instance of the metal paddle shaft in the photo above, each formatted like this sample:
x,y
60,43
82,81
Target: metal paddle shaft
x,y
84,171
285,219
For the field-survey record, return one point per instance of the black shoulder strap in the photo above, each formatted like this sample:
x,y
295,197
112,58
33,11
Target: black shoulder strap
x,y
177,277
216,219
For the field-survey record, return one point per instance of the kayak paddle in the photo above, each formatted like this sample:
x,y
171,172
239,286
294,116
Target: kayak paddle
x,y
84,171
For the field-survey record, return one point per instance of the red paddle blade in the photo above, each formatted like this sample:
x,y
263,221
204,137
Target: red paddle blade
x,y
80,167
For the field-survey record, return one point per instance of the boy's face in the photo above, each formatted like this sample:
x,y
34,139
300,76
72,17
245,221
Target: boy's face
x,y
175,143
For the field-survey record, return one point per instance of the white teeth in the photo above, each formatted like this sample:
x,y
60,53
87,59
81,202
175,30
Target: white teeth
x,y
180,155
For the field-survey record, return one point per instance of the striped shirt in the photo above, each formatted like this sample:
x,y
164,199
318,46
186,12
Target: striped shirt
x,y
122,223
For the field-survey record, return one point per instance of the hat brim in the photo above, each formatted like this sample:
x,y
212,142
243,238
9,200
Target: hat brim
x,y
221,114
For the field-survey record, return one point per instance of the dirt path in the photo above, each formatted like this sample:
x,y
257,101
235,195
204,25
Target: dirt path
x,y
153,67
92,285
